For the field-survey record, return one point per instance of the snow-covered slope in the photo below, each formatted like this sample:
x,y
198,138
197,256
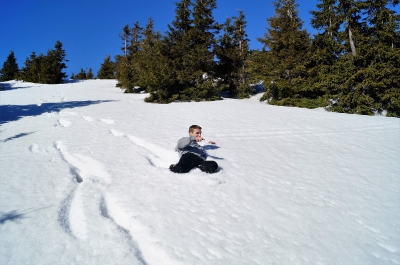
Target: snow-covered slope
x,y
84,180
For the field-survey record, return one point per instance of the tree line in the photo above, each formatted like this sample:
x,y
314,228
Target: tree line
x,y
351,65
45,69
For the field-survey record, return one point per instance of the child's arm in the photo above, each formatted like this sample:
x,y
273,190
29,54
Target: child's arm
x,y
185,141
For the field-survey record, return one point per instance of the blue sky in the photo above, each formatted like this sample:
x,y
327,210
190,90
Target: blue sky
x,y
89,29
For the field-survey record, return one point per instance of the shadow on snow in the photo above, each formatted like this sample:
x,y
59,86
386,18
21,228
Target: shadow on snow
x,y
10,113
16,137
11,216
14,216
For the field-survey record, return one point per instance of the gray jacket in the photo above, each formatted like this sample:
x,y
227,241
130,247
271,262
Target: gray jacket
x,y
189,145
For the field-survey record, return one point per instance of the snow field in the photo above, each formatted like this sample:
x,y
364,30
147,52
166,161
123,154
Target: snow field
x,y
85,180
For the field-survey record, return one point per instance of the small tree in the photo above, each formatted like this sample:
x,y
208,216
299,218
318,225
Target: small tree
x,y
89,74
107,69
81,74
287,51
232,53
10,68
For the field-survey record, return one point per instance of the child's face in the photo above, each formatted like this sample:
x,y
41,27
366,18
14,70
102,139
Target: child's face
x,y
195,133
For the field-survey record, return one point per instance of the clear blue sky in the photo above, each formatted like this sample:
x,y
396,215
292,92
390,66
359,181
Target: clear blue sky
x,y
89,29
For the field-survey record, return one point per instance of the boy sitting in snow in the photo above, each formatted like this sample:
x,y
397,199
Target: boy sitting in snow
x,y
192,154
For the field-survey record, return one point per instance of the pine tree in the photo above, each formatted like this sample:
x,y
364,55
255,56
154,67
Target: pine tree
x,y
53,64
381,76
232,53
107,69
10,68
152,65
46,69
189,51
89,74
200,64
176,47
126,68
32,68
323,71
287,52
81,75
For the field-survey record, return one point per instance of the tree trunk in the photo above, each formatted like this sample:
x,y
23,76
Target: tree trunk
x,y
353,47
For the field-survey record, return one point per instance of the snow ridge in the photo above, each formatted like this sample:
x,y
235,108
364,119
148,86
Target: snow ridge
x,y
77,208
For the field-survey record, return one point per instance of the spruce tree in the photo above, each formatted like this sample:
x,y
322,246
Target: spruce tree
x,y
81,75
200,64
232,53
126,68
176,47
327,48
89,74
107,69
10,68
53,65
153,66
189,50
32,68
287,52
381,76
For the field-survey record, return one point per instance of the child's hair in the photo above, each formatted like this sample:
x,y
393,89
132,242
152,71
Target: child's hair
x,y
191,128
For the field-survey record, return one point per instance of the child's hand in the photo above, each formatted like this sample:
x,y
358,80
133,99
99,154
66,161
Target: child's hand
x,y
212,142
199,139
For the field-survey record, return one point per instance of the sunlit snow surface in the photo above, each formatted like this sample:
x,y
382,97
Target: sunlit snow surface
x,y
85,180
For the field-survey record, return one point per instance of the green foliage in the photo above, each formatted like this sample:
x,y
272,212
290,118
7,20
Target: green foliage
x,y
232,52
354,66
356,59
89,74
81,75
285,56
45,69
10,68
107,69
126,65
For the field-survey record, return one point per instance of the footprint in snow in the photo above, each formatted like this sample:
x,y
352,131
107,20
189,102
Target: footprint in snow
x,y
107,121
116,133
87,118
34,148
64,123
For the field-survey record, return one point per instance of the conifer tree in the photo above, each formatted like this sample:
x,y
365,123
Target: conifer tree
x,y
89,74
232,53
153,66
381,77
327,48
126,70
287,50
107,69
10,68
189,49
81,75
177,45
53,64
32,68
200,64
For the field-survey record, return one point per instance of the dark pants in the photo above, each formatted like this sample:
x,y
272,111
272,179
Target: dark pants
x,y
189,161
